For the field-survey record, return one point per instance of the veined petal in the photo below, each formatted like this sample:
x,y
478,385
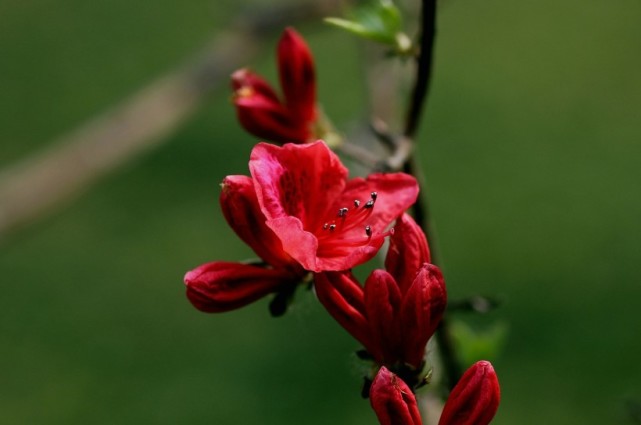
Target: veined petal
x,y
475,398
393,401
382,304
422,310
241,210
222,286
395,193
297,181
408,251
300,244
340,255
297,75
342,296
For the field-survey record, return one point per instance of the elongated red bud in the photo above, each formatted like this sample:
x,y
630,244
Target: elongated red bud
x,y
261,113
342,296
382,303
422,310
297,75
393,401
475,398
223,286
408,251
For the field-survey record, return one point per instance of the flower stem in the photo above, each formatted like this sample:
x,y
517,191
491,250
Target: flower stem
x,y
450,363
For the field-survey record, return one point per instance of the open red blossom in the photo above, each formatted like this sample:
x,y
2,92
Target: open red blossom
x,y
260,110
398,309
323,220
221,286
475,398
393,401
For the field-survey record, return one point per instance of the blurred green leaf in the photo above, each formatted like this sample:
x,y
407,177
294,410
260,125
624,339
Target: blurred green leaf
x,y
474,345
379,21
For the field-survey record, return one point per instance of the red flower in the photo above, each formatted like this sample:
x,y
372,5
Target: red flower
x,y
393,401
293,214
475,398
221,286
259,109
398,310
323,220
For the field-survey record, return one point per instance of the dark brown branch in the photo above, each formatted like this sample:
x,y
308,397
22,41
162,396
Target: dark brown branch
x,y
451,365
423,68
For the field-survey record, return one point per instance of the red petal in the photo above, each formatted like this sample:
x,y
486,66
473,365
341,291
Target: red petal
x,y
297,76
393,401
396,192
222,286
342,297
245,80
295,185
240,207
422,310
382,302
475,398
336,256
267,119
408,251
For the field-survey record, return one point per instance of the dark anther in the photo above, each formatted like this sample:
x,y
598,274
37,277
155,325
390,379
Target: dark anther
x,y
332,227
368,230
342,212
325,226
374,195
369,204
357,203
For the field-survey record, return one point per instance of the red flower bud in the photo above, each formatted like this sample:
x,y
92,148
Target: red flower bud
x,y
382,303
422,310
261,113
343,298
408,251
297,75
223,286
259,109
393,401
475,398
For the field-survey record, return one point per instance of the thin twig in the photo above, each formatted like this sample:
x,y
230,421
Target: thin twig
x,y
70,165
360,154
420,90
423,68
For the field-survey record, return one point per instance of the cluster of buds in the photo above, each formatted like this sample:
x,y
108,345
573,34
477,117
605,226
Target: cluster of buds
x,y
308,222
398,309
473,401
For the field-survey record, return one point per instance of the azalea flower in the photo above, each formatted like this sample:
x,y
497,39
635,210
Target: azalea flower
x,y
262,112
299,213
323,220
398,309
473,401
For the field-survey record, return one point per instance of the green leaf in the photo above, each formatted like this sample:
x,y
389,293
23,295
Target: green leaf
x,y
379,21
473,345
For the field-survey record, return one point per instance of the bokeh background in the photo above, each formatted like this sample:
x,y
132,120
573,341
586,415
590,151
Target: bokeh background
x,y
532,150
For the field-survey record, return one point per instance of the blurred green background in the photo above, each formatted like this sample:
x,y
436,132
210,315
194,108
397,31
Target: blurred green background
x,y
532,150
